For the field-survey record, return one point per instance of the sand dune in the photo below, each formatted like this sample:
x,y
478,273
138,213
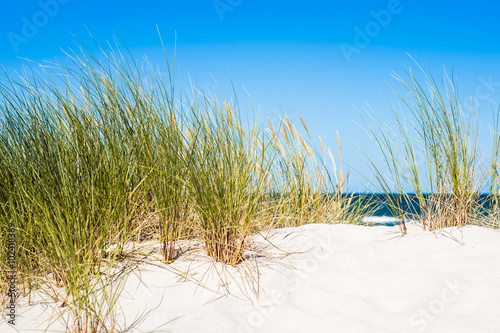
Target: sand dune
x,y
318,278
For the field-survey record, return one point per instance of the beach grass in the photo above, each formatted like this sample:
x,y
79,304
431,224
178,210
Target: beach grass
x,y
102,152
452,172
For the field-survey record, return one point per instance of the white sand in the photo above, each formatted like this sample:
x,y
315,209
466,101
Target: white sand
x,y
336,278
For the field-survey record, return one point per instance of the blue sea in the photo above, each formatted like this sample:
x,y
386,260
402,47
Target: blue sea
x,y
383,214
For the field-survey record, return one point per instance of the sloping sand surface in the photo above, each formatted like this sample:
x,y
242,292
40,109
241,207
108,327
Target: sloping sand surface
x,y
318,278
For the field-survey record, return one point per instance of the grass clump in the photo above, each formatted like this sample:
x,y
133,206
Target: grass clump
x,y
306,189
447,183
71,180
228,178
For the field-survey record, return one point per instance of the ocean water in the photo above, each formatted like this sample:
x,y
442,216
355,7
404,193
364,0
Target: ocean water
x,y
380,220
384,216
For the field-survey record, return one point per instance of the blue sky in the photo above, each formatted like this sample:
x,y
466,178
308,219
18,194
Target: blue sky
x,y
318,59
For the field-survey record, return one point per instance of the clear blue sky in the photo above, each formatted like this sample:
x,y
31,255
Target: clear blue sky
x,y
319,59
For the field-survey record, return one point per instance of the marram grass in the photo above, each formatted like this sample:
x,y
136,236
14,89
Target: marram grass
x,y
454,172
99,154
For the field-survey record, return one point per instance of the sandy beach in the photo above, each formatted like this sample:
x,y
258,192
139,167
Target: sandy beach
x,y
315,278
